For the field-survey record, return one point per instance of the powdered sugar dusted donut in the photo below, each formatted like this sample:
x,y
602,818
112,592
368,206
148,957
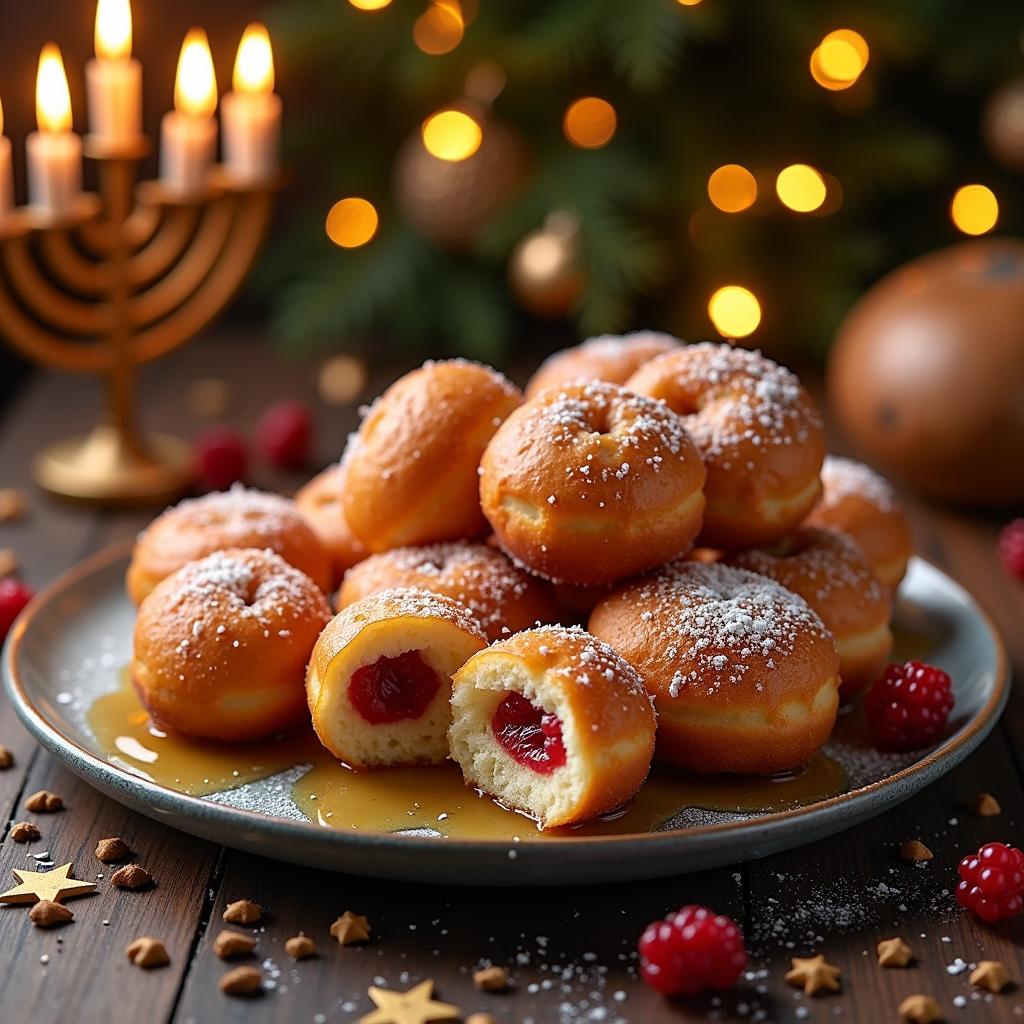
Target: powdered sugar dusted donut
x,y
592,483
610,357
238,518
856,500
759,434
320,503
502,597
221,645
379,681
412,468
744,675
554,723
829,572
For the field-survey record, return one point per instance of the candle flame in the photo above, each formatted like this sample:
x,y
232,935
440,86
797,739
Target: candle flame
x,y
114,29
53,101
254,65
195,86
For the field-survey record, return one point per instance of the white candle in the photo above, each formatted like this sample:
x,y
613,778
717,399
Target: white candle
x,y
113,80
54,152
188,134
6,174
252,112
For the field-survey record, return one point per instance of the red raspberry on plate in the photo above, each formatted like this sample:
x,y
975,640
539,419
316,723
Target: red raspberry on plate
x,y
283,434
993,882
14,595
1011,547
909,706
691,950
220,459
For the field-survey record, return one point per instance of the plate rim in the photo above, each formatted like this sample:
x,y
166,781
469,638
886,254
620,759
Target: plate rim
x,y
91,766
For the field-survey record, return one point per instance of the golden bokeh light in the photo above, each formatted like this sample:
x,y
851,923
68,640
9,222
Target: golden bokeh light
x,y
732,188
800,187
589,122
451,135
439,28
975,209
370,5
688,3
735,311
352,222
839,59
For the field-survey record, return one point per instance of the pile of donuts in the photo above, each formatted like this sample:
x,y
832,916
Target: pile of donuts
x,y
735,583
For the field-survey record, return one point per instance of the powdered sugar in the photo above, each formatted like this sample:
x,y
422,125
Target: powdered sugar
x,y
844,478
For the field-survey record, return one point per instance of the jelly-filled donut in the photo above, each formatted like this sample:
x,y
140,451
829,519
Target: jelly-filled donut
x,y
320,503
759,434
502,597
379,682
856,500
238,518
412,468
829,571
744,675
592,484
610,357
554,723
221,645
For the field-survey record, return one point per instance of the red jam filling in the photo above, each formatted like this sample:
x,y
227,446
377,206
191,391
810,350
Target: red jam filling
x,y
529,734
393,689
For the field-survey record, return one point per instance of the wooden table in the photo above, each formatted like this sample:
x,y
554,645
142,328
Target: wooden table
x,y
570,951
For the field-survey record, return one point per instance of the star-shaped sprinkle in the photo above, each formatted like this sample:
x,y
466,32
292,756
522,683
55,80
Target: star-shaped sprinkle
x,y
350,928
990,974
814,975
417,1006
920,1010
55,885
894,953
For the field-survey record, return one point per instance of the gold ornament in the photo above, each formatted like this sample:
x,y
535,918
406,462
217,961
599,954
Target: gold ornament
x,y
55,885
1002,124
417,1006
544,271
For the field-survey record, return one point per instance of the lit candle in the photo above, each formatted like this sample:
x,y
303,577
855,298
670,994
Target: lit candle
x,y
113,79
252,111
6,179
54,152
188,134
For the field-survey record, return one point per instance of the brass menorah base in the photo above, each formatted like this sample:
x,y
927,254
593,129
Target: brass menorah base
x,y
123,278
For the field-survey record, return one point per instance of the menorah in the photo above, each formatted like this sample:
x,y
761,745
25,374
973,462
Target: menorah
x,y
125,276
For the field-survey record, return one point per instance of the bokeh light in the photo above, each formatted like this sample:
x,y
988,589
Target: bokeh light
x,y
800,187
839,59
688,3
589,122
974,209
732,188
352,222
451,135
735,311
439,29
369,5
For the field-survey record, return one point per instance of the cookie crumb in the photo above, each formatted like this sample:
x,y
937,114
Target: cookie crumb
x,y
109,850
6,757
148,953
350,928
920,1009
46,914
300,947
985,805
913,851
131,876
229,944
894,953
491,979
990,974
25,832
242,981
44,801
13,505
243,912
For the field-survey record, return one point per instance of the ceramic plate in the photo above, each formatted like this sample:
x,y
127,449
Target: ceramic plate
x,y
70,648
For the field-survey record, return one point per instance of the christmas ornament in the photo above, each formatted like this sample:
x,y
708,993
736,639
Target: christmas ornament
x,y
55,885
219,456
544,271
417,1006
926,373
283,434
1002,124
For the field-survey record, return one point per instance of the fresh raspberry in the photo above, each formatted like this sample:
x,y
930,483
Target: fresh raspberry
x,y
14,595
691,950
283,435
993,882
1011,547
908,707
220,460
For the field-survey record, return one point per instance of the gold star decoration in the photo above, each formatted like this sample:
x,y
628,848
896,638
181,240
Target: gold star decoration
x,y
350,928
814,975
894,953
920,1010
990,974
55,885
417,1006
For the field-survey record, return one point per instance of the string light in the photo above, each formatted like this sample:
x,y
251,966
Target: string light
x,y
352,222
439,29
451,135
369,5
974,209
732,188
735,311
589,122
839,59
800,187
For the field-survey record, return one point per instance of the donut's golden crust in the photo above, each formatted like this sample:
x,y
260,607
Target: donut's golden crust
x,y
412,468
611,358
744,675
829,572
502,597
320,503
607,719
592,484
237,518
221,645
758,431
862,504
